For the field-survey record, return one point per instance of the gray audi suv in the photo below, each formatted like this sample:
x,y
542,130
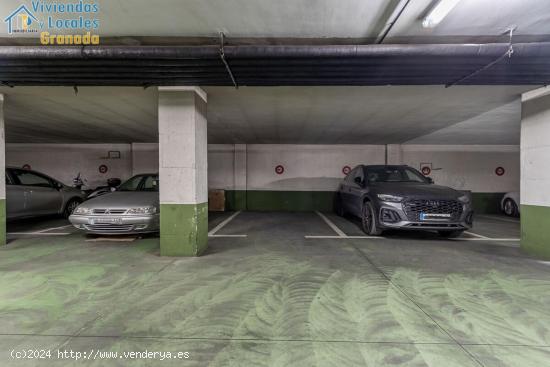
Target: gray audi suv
x,y
400,197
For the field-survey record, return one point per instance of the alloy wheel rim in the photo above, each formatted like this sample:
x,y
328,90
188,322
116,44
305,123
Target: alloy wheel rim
x,y
72,207
508,207
367,218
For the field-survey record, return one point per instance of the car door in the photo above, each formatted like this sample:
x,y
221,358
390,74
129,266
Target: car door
x,y
345,191
42,197
356,191
15,198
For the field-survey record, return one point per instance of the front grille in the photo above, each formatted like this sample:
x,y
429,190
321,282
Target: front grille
x,y
114,228
413,208
109,211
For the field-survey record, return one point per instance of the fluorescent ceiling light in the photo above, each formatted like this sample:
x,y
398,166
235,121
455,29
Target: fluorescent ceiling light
x,y
439,12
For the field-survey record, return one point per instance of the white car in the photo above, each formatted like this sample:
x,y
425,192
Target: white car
x,y
510,204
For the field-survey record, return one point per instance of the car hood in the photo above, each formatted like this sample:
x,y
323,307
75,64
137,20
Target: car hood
x,y
417,190
123,200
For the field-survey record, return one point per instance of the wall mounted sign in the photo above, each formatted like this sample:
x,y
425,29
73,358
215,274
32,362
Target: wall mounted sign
x,y
279,169
500,171
426,170
103,168
346,170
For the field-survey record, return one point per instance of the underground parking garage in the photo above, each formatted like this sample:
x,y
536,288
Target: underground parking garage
x,y
310,184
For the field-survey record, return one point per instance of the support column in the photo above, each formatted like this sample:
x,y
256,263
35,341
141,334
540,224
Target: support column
x,y
183,171
535,172
3,168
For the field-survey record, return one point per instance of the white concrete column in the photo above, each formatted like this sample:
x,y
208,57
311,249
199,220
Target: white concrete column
x,y
394,154
3,168
183,171
535,172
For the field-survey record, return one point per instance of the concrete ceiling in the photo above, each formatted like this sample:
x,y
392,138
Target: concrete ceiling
x,y
312,115
469,21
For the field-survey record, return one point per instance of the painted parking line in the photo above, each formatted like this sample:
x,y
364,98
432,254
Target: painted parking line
x,y
339,232
475,235
478,237
53,228
214,230
333,226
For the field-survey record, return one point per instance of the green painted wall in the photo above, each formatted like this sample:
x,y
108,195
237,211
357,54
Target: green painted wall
x,y
183,229
487,203
2,222
535,230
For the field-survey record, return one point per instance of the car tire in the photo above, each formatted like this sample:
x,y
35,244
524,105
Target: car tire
x,y
338,207
369,222
450,234
510,208
70,207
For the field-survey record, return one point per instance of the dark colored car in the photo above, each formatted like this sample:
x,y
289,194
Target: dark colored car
x,y
400,197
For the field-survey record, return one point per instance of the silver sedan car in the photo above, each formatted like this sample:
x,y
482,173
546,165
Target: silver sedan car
x,y
132,208
32,194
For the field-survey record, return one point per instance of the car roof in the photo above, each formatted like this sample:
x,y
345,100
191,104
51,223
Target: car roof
x,y
385,165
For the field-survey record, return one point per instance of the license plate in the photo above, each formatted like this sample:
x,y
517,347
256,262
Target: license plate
x,y
106,221
434,216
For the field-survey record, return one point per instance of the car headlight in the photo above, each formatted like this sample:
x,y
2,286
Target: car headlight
x,y
464,199
390,198
143,210
81,210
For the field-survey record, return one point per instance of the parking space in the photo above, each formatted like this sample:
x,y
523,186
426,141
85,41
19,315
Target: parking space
x,y
329,299
275,183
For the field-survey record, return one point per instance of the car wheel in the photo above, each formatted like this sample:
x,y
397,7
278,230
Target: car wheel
x,y
510,208
450,234
338,206
368,220
70,207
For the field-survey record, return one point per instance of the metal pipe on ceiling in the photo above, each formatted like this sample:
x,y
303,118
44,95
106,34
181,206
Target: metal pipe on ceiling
x,y
274,65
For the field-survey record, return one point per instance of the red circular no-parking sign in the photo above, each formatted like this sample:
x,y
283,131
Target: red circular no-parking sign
x,y
279,169
426,170
500,171
346,170
103,168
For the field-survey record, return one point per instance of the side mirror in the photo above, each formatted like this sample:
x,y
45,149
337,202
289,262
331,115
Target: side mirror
x,y
430,180
58,185
113,189
358,180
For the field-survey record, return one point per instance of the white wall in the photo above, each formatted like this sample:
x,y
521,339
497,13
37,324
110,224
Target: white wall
x,y
307,167
467,167
64,161
145,158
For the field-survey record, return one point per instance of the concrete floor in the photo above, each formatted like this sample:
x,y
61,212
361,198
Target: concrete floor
x,y
276,298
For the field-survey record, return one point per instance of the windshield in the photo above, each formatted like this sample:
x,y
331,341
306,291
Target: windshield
x,y
394,174
141,183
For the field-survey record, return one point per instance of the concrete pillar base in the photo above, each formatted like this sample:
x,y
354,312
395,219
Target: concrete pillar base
x,y
535,231
184,229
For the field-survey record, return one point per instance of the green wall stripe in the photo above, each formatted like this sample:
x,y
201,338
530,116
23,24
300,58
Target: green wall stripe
x,y
183,229
268,200
535,230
